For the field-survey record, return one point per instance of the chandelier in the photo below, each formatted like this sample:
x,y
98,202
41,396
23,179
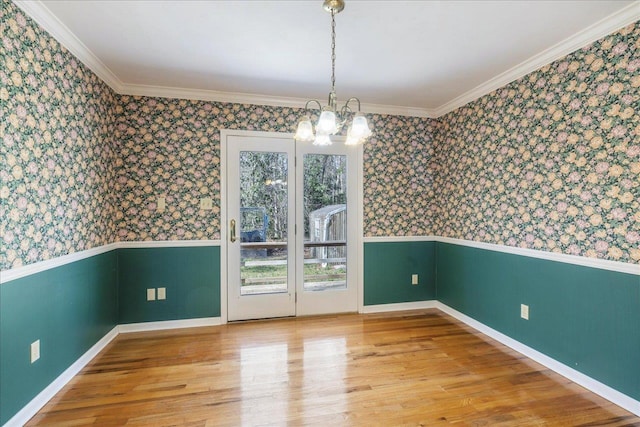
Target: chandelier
x,y
331,119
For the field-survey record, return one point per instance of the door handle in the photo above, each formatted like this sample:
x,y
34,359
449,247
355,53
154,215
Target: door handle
x,y
233,231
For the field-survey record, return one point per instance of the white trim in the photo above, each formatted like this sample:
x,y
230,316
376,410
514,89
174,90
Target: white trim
x,y
585,381
401,306
359,243
258,99
126,328
603,264
27,270
388,239
600,29
39,12
223,225
167,243
224,134
32,408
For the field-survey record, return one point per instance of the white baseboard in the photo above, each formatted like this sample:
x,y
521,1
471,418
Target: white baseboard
x,y
585,381
620,399
401,306
168,324
32,408
38,402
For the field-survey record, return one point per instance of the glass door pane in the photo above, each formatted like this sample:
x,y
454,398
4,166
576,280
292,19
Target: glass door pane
x,y
326,279
325,221
260,194
263,222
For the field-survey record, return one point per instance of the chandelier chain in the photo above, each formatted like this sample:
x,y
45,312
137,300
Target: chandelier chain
x,y
331,119
333,51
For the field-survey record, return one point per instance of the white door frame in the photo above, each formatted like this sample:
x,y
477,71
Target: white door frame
x,y
224,228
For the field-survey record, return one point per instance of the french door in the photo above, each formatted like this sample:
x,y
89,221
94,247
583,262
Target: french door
x,y
291,227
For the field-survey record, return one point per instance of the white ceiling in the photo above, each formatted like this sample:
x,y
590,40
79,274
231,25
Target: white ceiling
x,y
425,56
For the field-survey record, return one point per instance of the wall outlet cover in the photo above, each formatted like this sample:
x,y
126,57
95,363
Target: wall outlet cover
x,y
35,351
206,203
414,279
162,293
151,294
524,311
162,203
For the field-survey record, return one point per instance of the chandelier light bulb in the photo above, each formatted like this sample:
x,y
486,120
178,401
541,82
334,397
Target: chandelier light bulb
x,y
351,139
305,130
327,123
322,139
360,127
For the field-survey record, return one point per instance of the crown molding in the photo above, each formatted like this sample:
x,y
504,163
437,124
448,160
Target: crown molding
x,y
605,26
257,99
39,12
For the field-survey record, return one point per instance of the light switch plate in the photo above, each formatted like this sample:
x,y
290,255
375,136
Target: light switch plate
x,y
414,279
162,204
151,294
524,311
162,293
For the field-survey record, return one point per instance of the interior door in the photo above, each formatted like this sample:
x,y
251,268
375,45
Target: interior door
x,y
327,228
261,227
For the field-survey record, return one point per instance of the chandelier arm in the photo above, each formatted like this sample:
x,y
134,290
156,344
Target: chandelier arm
x,y
306,106
353,98
346,109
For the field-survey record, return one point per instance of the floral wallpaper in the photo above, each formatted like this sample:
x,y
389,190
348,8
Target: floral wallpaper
x,y
399,168
552,160
171,148
56,158
83,167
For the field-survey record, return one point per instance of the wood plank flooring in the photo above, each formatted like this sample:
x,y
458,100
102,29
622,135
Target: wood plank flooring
x,y
417,368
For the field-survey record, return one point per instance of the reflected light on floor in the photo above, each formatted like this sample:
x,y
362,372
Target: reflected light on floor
x,y
324,364
264,380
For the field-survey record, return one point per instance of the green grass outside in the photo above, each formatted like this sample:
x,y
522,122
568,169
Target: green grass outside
x,y
271,271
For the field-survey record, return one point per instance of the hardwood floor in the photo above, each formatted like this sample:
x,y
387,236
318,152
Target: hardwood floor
x,y
418,368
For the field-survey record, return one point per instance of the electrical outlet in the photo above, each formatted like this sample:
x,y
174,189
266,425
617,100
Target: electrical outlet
x,y
35,351
162,204
162,293
151,294
206,203
524,311
414,279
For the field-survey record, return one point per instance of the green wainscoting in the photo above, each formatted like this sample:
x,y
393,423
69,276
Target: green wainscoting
x,y
68,308
191,276
586,318
388,267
